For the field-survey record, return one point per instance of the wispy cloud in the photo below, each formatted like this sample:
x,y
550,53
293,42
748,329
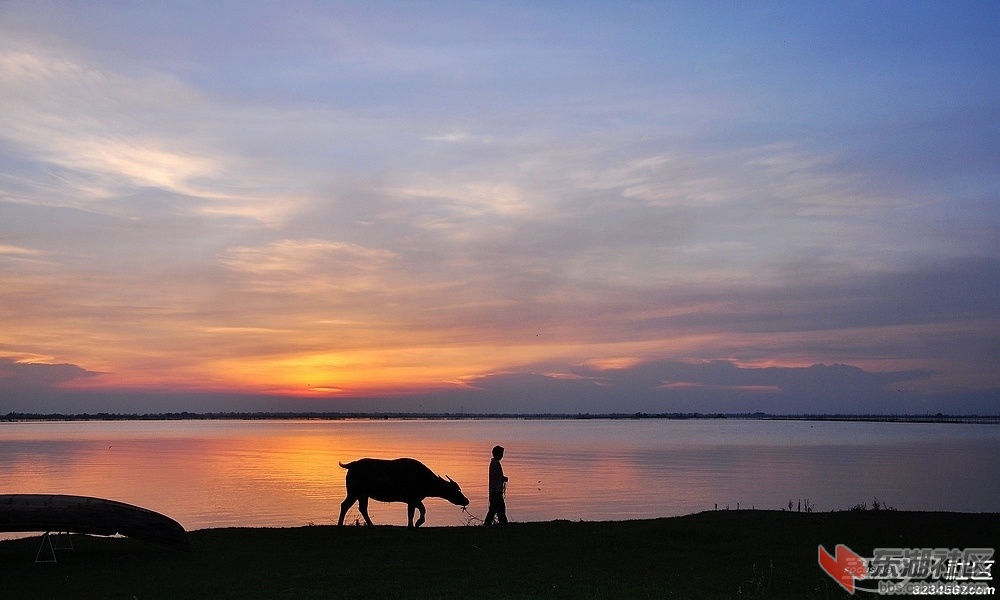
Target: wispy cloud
x,y
93,122
17,251
308,266
105,136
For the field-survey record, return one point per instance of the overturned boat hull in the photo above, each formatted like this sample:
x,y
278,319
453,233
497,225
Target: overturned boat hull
x,y
92,516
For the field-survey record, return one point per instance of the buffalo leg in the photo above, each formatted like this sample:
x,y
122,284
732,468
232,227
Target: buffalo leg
x,y
419,506
346,506
409,514
363,507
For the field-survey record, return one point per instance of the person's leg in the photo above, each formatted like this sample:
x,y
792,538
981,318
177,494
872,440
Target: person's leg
x,y
492,512
501,509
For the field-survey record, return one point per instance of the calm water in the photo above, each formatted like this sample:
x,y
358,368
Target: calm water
x,y
285,473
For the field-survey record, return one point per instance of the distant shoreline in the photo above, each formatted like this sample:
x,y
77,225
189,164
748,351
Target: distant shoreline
x,y
369,416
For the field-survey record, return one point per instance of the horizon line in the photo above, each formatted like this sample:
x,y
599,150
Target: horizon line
x,y
411,415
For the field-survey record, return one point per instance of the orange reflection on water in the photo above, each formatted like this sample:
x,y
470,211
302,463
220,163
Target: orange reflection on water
x,y
223,473
286,473
295,473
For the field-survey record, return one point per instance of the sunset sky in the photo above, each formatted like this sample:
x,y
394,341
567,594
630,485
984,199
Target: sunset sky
x,y
500,207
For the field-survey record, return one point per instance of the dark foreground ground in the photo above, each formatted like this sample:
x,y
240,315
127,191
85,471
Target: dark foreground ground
x,y
724,554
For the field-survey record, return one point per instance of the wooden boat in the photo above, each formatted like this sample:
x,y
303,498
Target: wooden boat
x,y
92,516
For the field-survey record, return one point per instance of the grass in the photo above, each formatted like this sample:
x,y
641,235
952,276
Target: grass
x,y
720,554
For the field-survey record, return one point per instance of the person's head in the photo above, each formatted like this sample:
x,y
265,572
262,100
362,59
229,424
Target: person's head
x,y
497,452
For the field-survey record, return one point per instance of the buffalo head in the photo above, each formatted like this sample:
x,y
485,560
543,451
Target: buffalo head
x,y
453,493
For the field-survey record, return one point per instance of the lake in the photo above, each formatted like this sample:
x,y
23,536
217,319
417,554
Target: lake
x,y
286,473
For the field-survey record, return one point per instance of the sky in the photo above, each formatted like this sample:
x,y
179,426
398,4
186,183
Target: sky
x,y
501,207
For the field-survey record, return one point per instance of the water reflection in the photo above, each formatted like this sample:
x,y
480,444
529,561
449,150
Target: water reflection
x,y
283,473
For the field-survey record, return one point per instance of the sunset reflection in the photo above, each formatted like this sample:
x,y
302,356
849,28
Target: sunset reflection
x,y
286,473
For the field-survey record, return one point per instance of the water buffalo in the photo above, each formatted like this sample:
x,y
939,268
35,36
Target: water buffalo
x,y
400,480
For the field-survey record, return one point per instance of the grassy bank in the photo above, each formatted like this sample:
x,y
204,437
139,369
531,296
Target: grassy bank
x,y
724,554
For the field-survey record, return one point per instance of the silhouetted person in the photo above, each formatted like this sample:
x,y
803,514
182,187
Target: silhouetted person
x,y
498,485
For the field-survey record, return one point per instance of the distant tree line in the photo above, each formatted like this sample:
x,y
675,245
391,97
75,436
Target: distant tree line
x,y
252,416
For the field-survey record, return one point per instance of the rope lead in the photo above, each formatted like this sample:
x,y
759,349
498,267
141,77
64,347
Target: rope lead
x,y
471,517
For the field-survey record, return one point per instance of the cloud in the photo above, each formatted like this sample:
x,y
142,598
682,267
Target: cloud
x,y
474,199
17,251
92,123
302,256
19,377
309,266
96,136
705,387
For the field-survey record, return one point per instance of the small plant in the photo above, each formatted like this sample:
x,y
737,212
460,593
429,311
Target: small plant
x,y
876,505
756,586
880,504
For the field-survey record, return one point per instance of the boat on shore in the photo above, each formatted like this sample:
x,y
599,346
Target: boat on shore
x,y
92,516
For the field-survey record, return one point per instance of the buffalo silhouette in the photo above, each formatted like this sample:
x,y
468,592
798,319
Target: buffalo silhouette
x,y
400,480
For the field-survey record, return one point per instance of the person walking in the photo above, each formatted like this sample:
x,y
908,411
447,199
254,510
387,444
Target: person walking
x,y
498,487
